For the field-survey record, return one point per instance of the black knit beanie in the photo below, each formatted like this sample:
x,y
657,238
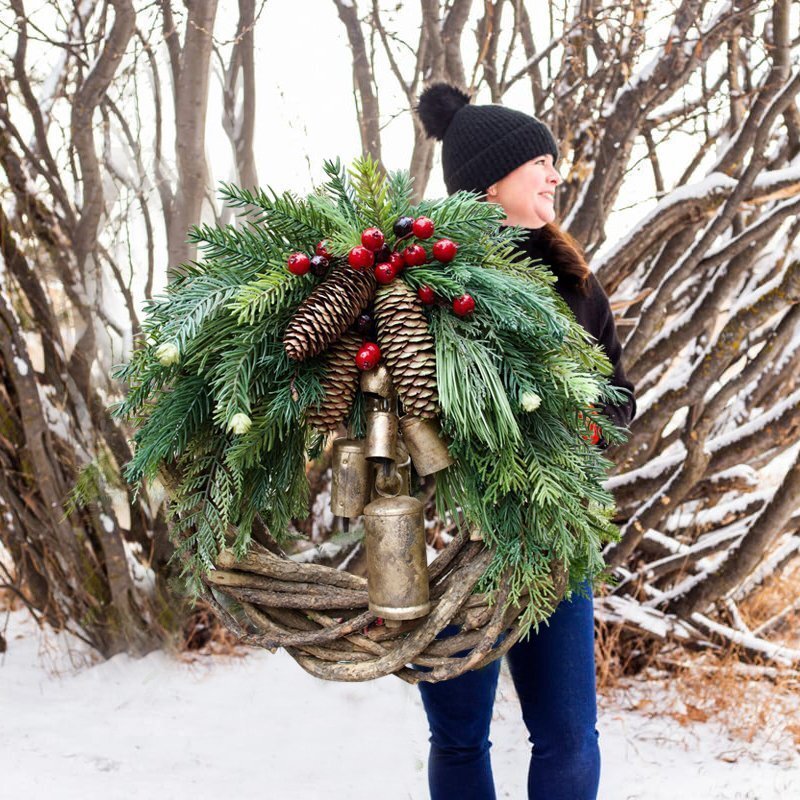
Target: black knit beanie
x,y
480,144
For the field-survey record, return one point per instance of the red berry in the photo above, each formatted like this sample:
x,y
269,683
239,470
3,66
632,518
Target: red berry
x,y
426,295
360,258
414,255
385,273
298,263
396,260
372,238
423,227
463,305
322,249
368,356
445,250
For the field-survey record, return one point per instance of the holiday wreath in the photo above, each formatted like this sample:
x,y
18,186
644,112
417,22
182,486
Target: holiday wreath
x,y
445,353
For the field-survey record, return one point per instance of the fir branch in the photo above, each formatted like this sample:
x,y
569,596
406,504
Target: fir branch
x,y
245,250
179,414
372,194
268,294
288,221
339,190
471,391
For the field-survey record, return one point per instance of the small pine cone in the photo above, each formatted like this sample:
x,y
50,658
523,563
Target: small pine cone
x,y
408,348
342,377
328,312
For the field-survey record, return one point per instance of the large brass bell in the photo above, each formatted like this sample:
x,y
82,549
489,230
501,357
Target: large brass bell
x,y
428,450
350,478
397,567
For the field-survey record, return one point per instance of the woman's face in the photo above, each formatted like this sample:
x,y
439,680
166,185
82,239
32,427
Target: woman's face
x,y
527,193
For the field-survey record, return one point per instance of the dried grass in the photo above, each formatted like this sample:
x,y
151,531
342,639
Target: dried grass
x,y
748,701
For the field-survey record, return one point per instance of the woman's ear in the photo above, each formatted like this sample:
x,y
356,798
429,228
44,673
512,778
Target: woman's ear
x,y
492,191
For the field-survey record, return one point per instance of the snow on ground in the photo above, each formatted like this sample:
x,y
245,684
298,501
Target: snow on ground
x,y
257,726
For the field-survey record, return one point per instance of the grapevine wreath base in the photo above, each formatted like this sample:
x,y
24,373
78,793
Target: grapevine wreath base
x,y
320,615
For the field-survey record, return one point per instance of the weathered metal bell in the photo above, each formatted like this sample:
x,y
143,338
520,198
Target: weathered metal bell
x,y
403,466
382,428
377,381
350,478
392,478
397,567
428,450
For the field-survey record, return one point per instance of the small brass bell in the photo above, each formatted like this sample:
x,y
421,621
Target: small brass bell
x,y
428,450
377,381
382,427
350,478
397,566
392,477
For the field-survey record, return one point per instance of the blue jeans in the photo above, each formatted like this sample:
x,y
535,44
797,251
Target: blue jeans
x,y
554,675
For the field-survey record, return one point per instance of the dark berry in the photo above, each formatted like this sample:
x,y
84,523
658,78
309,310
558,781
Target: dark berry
x,y
383,254
319,265
364,322
403,226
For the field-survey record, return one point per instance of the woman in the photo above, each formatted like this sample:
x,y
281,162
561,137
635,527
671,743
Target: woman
x,y
511,157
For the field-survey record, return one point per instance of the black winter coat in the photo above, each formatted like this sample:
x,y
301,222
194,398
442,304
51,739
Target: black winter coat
x,y
594,314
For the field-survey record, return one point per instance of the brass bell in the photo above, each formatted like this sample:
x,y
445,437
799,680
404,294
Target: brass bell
x,y
397,566
428,450
350,478
382,427
392,478
377,381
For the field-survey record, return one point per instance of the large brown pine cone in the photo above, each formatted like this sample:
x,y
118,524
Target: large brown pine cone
x,y
407,347
341,380
328,312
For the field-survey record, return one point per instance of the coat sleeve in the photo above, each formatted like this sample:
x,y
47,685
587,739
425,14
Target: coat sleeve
x,y
606,333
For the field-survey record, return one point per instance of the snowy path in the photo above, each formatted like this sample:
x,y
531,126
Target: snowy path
x,y
260,727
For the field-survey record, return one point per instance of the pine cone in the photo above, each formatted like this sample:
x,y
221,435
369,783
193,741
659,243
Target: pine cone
x,y
341,381
408,348
328,312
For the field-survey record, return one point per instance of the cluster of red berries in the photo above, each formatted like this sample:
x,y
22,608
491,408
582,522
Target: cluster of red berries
x,y
300,263
373,252
463,306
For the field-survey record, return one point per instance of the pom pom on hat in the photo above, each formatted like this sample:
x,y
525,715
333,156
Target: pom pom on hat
x,y
438,105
